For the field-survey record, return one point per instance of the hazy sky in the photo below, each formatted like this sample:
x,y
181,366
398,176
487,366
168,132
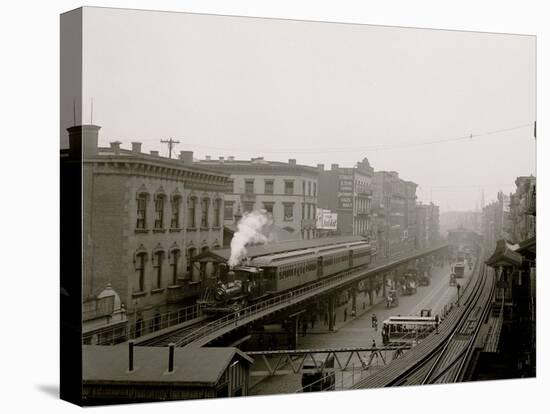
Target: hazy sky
x,y
320,93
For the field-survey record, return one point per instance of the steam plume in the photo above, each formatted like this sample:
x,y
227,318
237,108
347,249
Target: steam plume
x,y
251,229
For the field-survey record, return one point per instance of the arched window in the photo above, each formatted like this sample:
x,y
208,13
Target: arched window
x,y
192,203
159,211
175,220
158,261
174,262
205,204
141,222
141,258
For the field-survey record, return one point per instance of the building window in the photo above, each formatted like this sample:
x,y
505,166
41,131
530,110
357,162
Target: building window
x,y
175,261
204,212
289,187
159,212
157,265
288,211
249,186
248,206
175,221
303,187
217,212
268,187
268,207
303,211
140,268
314,189
309,211
141,222
309,188
228,210
191,222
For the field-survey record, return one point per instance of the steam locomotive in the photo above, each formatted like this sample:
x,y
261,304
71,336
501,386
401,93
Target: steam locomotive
x,y
263,276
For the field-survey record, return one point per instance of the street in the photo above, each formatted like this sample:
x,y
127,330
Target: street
x,y
358,332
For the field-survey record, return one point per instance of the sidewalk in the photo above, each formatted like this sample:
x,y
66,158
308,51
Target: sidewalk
x,y
321,328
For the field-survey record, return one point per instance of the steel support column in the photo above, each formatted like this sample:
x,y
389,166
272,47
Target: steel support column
x,y
331,313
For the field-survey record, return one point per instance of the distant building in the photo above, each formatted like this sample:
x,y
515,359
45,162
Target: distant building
x,y
496,224
287,191
427,225
144,218
394,204
470,220
348,192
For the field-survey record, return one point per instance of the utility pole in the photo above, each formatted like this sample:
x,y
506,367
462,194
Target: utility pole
x,y
171,143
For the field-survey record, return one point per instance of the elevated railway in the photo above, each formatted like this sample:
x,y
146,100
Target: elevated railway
x,y
444,356
205,333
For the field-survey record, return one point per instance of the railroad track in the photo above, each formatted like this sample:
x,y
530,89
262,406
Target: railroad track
x,y
173,336
443,357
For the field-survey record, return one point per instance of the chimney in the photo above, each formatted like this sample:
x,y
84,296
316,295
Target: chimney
x,y
231,158
115,146
292,161
321,167
333,167
136,147
155,153
171,350
186,157
83,140
130,356
207,157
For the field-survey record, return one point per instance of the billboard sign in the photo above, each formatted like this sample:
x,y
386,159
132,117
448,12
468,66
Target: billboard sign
x,y
326,220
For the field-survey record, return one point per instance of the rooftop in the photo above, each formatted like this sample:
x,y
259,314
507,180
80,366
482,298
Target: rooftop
x,y
200,366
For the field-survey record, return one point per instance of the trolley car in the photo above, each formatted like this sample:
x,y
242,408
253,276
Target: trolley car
x,y
403,330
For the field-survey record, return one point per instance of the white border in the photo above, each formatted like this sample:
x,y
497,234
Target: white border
x,y
29,298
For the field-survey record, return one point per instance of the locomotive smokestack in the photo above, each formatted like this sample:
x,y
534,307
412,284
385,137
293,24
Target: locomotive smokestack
x,y
231,276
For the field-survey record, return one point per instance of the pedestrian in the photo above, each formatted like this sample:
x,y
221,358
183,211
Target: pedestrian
x,y
345,314
353,312
373,344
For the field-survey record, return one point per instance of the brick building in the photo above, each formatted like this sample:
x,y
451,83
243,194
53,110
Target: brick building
x,y
348,192
287,191
145,217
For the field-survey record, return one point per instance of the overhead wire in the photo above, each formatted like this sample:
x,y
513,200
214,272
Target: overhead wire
x,y
466,137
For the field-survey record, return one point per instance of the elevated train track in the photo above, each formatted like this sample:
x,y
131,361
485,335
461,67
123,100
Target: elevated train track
x,y
443,357
206,332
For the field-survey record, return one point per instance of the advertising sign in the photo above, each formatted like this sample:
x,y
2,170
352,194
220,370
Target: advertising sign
x,y
326,220
345,186
345,203
330,221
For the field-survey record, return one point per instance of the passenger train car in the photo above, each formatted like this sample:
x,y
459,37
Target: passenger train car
x,y
271,274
